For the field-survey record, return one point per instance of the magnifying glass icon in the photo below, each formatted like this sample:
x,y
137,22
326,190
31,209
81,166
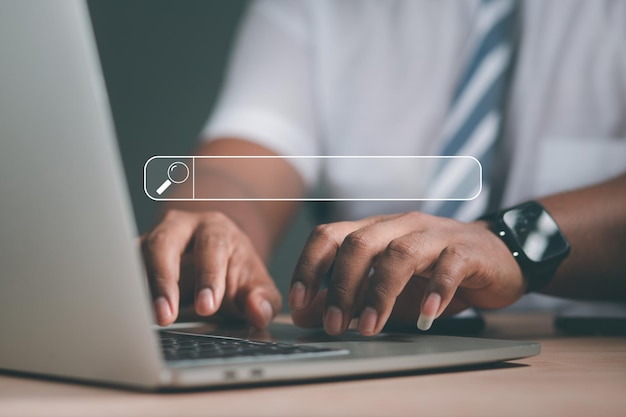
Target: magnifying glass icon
x,y
177,173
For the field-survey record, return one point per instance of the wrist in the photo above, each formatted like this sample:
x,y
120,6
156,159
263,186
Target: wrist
x,y
516,281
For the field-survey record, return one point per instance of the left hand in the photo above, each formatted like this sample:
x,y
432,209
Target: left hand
x,y
420,266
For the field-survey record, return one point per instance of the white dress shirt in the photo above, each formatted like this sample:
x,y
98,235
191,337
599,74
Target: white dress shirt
x,y
368,77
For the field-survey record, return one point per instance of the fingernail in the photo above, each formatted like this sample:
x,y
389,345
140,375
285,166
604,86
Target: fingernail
x,y
297,296
205,302
368,320
429,311
333,320
163,310
267,311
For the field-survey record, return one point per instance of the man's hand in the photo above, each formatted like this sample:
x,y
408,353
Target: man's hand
x,y
412,265
198,256
204,257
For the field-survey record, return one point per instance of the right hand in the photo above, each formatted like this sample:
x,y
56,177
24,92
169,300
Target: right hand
x,y
205,257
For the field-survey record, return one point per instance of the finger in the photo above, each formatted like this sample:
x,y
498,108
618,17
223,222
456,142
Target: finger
x,y
260,300
453,266
213,243
317,258
315,262
162,249
352,267
393,270
312,315
250,293
261,305
405,313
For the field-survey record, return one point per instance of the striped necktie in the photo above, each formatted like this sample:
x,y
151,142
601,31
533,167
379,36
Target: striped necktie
x,y
473,125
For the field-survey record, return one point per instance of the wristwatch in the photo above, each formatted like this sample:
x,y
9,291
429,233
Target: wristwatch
x,y
534,239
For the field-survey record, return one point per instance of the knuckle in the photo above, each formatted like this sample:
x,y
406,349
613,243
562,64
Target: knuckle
x,y
160,280
309,270
323,232
217,217
307,264
162,284
158,239
455,260
458,253
206,274
382,290
401,248
414,216
210,239
357,242
172,214
340,292
445,280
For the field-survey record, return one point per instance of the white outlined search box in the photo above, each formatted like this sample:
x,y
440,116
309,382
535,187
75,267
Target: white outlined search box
x,y
353,178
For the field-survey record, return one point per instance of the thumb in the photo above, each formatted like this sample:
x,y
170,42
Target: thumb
x,y
261,302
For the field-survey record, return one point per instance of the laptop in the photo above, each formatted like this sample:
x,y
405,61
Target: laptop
x,y
74,303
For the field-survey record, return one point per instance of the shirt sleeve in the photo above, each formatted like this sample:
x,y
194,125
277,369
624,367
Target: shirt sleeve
x,y
267,97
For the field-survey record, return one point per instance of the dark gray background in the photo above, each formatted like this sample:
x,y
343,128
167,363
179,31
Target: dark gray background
x,y
163,63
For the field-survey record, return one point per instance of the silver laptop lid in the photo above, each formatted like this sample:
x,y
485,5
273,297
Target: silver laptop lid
x,y
68,257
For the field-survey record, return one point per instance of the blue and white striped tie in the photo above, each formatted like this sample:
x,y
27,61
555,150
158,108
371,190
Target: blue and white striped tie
x,y
474,124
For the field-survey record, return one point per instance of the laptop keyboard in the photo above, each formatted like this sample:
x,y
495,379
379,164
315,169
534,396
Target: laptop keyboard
x,y
184,346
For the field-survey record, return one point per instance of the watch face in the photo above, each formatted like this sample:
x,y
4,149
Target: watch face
x,y
536,232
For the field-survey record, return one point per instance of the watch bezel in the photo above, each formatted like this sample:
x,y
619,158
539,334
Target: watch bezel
x,y
537,273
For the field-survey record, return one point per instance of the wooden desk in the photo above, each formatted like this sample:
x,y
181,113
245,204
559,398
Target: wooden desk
x,y
573,376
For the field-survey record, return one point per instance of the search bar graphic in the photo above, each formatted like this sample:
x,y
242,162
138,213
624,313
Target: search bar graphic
x,y
345,178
